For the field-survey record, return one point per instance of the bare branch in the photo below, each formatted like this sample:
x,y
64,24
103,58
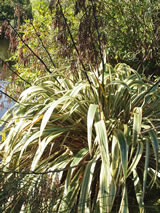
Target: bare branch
x,y
23,41
100,48
9,96
74,44
14,71
43,45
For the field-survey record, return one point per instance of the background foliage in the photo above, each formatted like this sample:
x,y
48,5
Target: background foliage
x,y
128,31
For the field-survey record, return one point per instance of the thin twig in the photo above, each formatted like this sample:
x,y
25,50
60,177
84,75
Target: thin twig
x,y
43,45
74,44
14,71
23,41
147,130
48,70
4,121
9,96
100,49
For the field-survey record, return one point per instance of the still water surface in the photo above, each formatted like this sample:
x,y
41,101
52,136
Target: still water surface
x,y
5,102
4,45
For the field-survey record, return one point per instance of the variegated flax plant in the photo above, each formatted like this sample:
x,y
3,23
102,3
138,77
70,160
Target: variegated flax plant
x,y
61,151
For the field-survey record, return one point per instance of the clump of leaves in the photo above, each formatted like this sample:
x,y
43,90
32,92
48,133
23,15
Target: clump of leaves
x,y
100,137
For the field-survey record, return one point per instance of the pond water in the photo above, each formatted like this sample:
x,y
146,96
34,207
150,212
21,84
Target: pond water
x,y
4,45
5,102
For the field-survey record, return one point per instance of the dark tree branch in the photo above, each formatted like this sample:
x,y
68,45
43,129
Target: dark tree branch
x,y
74,44
23,41
14,72
148,130
9,96
43,45
4,121
100,48
46,67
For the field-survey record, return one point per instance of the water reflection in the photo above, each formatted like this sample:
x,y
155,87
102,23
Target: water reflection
x,y
4,45
5,102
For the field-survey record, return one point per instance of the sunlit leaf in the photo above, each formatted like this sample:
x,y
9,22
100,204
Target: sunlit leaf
x,y
123,151
137,123
90,118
